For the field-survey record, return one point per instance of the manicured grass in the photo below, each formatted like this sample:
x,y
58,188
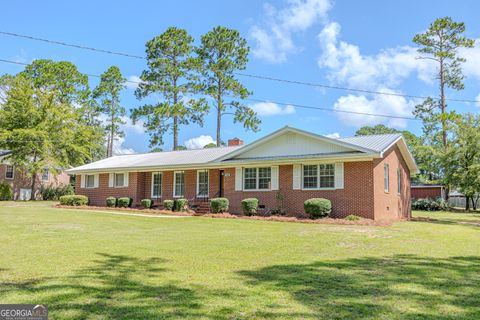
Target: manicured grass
x,y
92,265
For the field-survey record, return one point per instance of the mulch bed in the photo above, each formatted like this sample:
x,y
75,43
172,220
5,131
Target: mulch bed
x,y
361,222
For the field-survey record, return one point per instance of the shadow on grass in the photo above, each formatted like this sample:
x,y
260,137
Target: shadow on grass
x,y
399,287
445,221
116,287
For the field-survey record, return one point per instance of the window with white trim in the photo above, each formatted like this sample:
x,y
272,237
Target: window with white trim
x,y
9,172
321,176
179,184
257,178
119,180
399,180
156,185
90,181
45,174
386,178
202,183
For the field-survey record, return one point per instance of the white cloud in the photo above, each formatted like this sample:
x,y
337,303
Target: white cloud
x,y
119,149
274,35
477,98
135,81
334,135
199,142
137,127
346,64
379,104
271,109
384,71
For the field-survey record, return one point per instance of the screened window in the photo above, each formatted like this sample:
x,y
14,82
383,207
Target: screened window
x,y
319,176
45,175
250,178
202,183
90,181
386,177
179,184
157,185
9,173
327,176
310,177
257,178
399,180
119,179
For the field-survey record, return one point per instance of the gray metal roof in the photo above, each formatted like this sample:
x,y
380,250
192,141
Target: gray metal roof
x,y
4,152
189,158
158,159
377,142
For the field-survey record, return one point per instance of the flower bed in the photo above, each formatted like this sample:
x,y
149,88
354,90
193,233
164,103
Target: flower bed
x,y
361,221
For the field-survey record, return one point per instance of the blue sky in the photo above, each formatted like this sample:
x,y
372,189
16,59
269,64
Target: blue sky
x,y
360,44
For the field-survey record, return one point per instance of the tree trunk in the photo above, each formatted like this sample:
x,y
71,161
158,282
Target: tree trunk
x,y
219,123
442,105
34,177
467,203
219,113
112,131
474,203
175,133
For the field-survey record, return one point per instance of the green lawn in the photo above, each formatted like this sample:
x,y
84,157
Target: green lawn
x,y
93,265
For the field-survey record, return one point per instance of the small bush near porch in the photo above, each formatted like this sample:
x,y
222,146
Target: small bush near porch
x,y
94,264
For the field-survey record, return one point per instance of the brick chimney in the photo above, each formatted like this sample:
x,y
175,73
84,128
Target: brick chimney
x,y
235,142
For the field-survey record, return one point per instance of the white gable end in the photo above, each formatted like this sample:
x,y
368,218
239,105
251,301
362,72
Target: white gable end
x,y
293,144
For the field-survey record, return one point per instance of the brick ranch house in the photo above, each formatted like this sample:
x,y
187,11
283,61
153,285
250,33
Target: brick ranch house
x,y
368,176
21,183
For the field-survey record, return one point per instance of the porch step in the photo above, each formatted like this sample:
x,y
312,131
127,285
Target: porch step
x,y
202,207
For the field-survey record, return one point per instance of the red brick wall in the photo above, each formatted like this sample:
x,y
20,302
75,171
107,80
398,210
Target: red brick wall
x,y
22,181
426,192
391,205
355,198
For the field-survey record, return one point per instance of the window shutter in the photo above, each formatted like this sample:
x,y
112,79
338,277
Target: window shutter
x,y
297,170
110,180
274,178
125,179
339,175
82,181
95,181
238,179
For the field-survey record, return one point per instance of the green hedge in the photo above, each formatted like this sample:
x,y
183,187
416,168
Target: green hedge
x,y
146,203
250,206
428,204
111,202
180,205
55,192
168,204
317,207
6,192
74,200
124,202
219,205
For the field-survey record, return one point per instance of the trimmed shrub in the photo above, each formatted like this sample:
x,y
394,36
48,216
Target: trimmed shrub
x,y
6,192
146,203
219,205
168,204
317,207
352,217
124,202
250,206
74,200
180,205
111,202
55,192
428,204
